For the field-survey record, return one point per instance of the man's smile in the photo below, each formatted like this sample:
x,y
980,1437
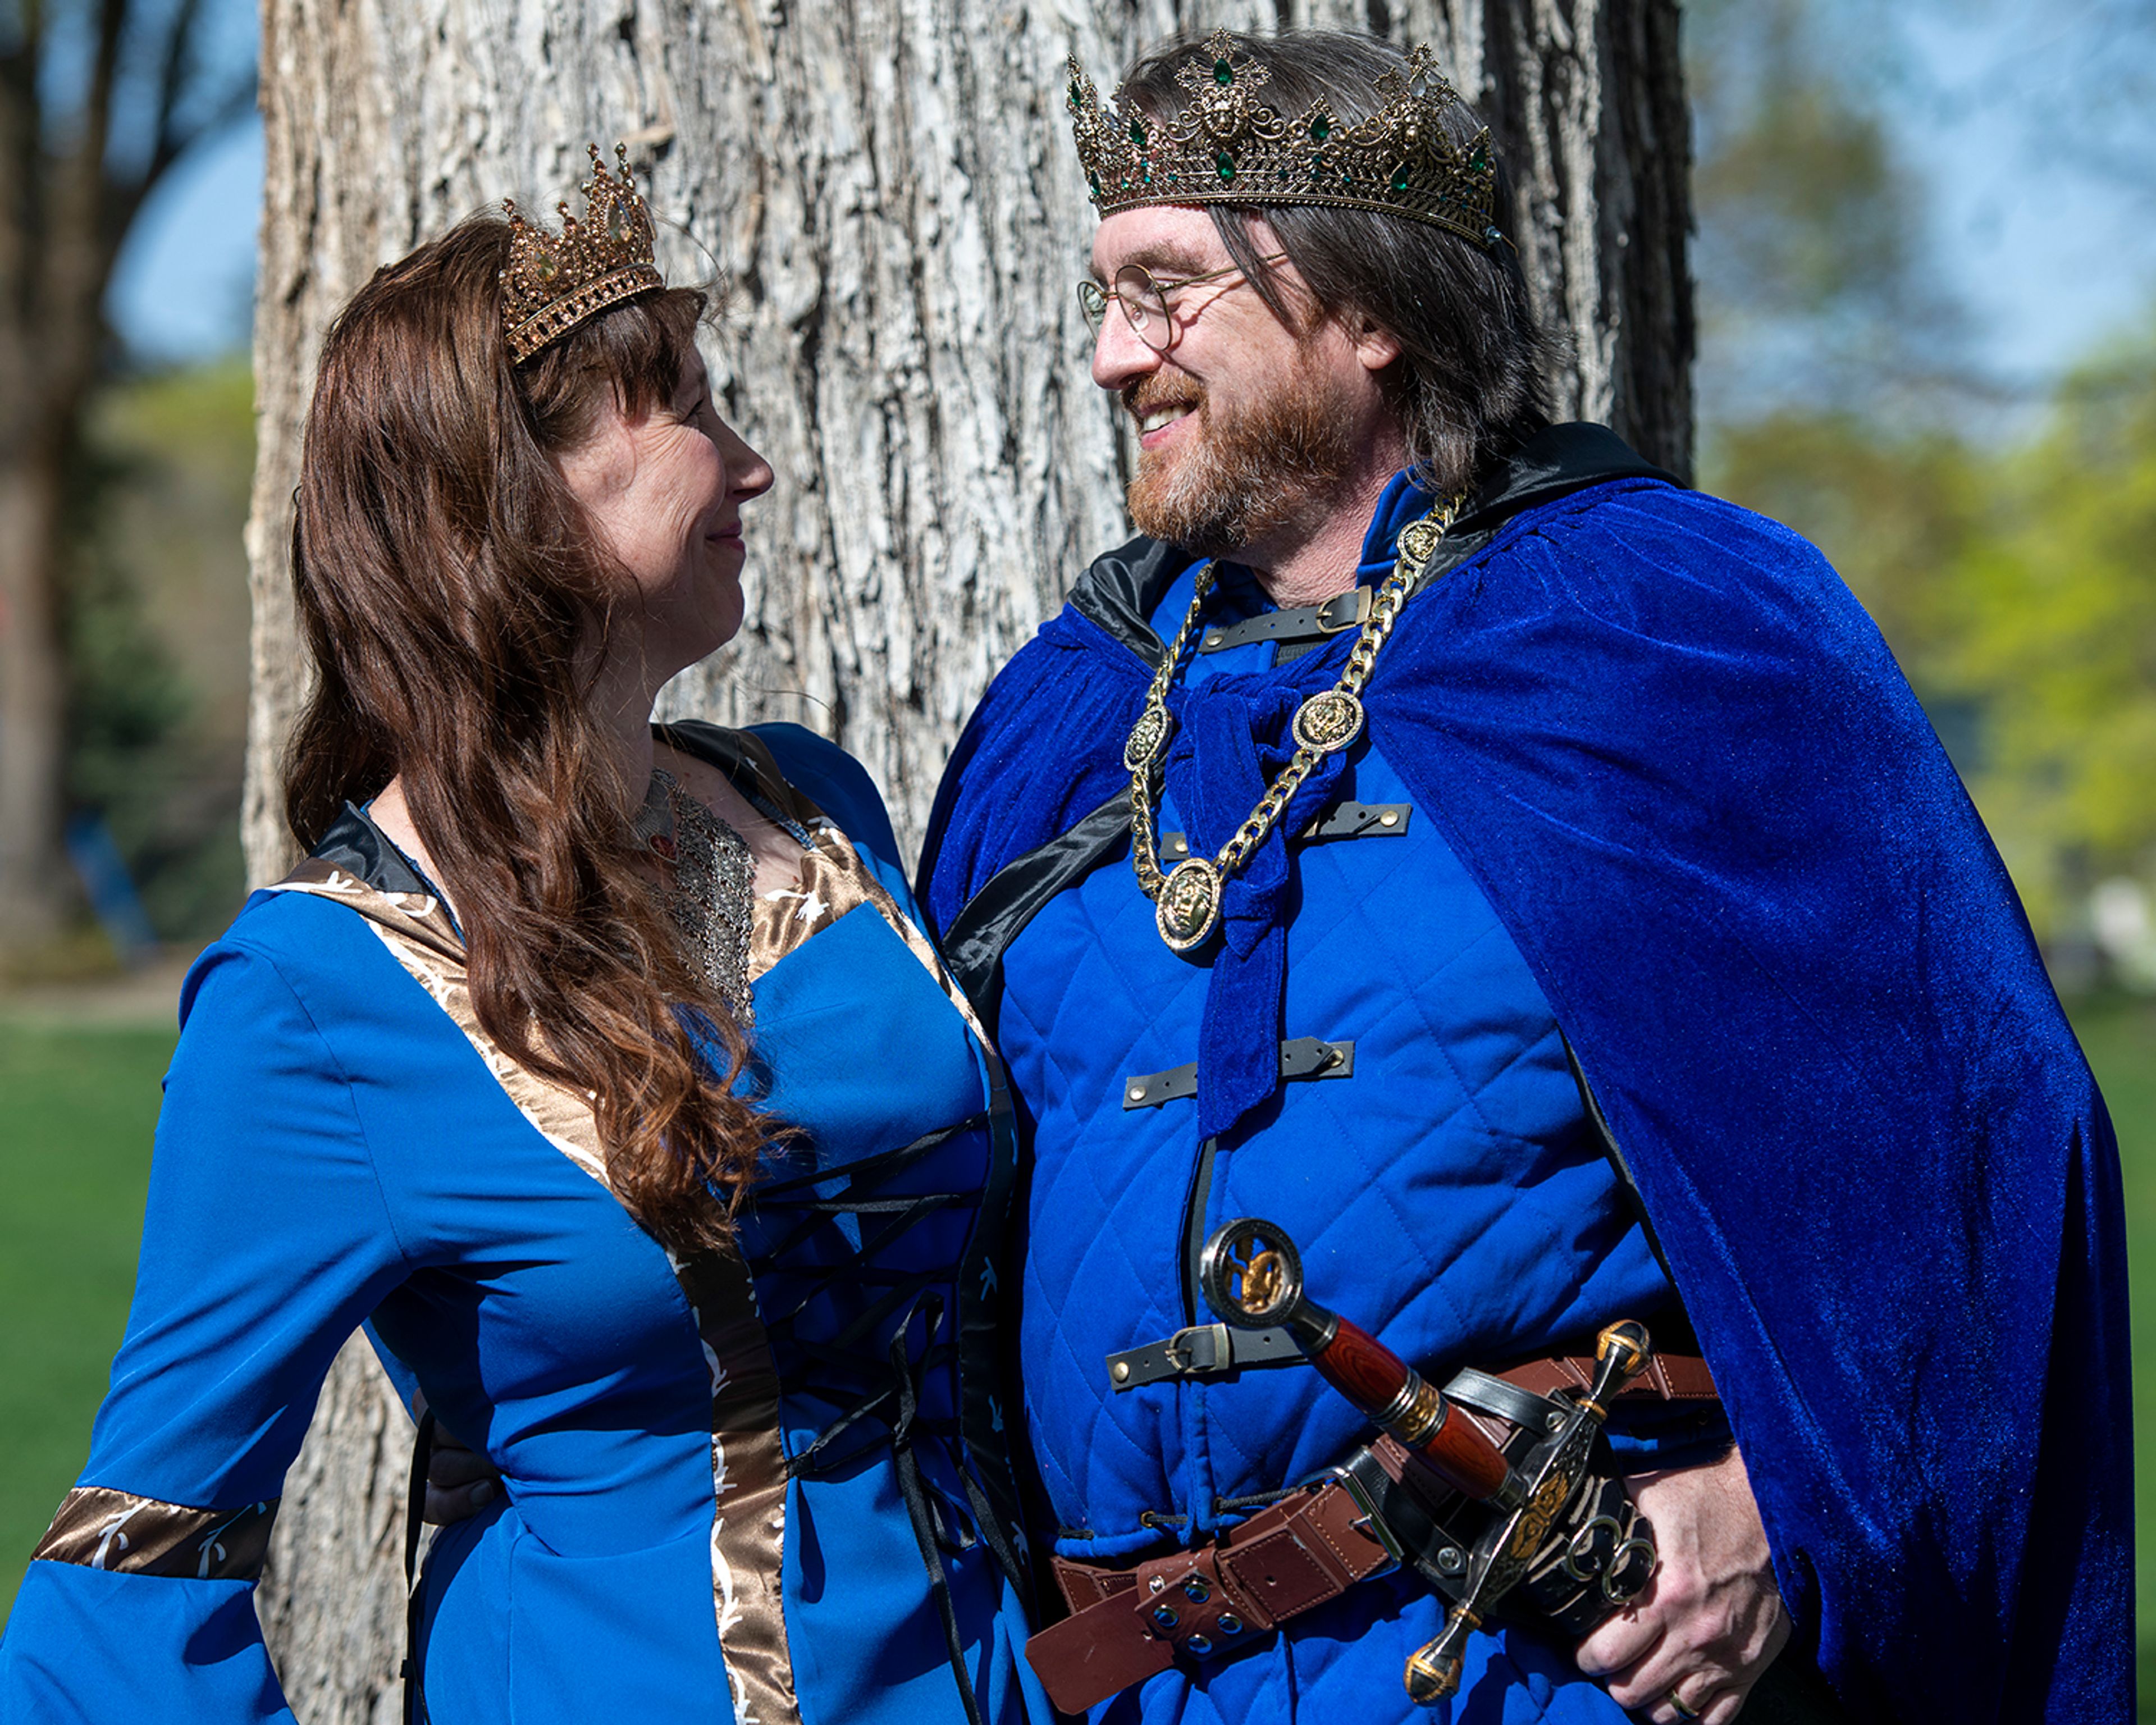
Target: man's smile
x,y
1155,410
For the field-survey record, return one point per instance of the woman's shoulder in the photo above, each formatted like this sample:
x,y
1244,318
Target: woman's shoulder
x,y
297,959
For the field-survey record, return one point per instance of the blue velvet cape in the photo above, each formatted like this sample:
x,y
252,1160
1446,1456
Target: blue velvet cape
x,y
1674,754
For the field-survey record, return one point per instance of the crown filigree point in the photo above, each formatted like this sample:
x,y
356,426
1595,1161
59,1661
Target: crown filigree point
x,y
553,282
1227,146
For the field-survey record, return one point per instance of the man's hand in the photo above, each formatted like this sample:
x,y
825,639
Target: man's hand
x,y
460,1481
1696,1640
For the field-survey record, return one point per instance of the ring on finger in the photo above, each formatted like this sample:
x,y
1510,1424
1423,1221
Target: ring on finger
x,y
1678,1704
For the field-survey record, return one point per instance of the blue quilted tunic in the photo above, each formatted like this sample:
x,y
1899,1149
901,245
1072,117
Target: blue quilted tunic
x,y
1448,1196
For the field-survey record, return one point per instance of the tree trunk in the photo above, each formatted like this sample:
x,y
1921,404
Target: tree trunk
x,y
33,891
890,192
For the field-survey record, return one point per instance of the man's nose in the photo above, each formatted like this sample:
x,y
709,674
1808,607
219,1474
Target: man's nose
x,y
1119,357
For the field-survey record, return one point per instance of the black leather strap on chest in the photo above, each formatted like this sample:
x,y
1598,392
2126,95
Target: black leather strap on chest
x,y
1342,821
1303,1057
1305,623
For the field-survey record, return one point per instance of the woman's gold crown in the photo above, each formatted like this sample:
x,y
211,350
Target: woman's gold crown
x,y
1227,146
554,281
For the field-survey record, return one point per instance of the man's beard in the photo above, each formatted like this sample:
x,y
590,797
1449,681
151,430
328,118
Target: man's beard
x,y
1247,472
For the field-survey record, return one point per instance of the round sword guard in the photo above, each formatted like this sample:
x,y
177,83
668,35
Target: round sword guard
x,y
1251,1273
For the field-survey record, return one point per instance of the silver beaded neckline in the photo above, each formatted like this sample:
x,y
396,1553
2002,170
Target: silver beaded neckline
x,y
712,897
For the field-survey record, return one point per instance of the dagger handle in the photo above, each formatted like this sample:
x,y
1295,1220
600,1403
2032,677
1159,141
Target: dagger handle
x,y
1400,1400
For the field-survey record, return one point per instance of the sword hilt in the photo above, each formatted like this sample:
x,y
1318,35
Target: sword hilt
x,y
1621,1352
1252,1277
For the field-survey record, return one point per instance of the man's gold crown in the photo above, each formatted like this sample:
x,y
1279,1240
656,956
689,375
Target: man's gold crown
x,y
1227,146
554,281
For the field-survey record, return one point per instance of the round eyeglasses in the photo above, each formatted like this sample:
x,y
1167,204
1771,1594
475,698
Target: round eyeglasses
x,y
1143,297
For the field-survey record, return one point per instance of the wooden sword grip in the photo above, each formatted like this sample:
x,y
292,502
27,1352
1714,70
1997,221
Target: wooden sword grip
x,y
1413,1410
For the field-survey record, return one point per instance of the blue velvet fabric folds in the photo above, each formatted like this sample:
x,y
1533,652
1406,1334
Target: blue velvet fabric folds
x,y
1677,758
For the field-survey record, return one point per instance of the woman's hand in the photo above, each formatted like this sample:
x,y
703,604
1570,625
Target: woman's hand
x,y
1700,1633
460,1481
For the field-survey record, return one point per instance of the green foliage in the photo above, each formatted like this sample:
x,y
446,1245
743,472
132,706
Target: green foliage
x,y
2017,587
2058,636
156,629
1808,200
1817,292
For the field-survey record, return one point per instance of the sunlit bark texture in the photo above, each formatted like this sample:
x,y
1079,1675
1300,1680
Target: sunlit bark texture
x,y
887,191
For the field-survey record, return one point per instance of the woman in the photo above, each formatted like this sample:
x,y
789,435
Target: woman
x,y
600,1069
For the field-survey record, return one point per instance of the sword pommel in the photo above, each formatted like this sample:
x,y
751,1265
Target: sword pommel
x,y
1252,1275
1621,1352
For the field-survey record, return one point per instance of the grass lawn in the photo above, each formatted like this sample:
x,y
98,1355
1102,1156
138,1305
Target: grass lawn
x,y
2120,1038
74,1161
79,1104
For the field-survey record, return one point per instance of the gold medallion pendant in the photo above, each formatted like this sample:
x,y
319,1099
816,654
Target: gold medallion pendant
x,y
1187,900
1189,904
1328,721
1146,738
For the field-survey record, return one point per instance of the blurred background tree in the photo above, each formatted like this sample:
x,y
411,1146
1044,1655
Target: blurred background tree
x,y
1999,526
99,99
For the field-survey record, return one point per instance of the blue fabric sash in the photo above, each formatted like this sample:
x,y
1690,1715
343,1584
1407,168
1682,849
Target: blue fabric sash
x,y
1676,756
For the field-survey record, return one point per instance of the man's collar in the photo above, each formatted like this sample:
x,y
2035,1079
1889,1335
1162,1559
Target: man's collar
x,y
1122,589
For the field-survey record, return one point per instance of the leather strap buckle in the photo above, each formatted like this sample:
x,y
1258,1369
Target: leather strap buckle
x,y
1202,1347
1344,611
1372,1520
1304,623
1201,1351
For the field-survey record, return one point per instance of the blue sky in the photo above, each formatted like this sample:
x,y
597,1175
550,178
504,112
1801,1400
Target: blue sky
x,y
2041,161
2029,122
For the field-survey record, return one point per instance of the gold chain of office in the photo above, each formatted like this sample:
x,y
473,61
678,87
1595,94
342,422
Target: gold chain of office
x,y
1187,901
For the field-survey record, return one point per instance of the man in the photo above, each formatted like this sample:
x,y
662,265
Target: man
x,y
1422,758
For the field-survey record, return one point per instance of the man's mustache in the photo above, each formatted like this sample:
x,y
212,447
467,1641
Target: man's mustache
x,y
1143,395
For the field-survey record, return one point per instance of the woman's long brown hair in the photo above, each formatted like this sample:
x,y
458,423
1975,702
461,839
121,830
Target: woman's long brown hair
x,y
451,593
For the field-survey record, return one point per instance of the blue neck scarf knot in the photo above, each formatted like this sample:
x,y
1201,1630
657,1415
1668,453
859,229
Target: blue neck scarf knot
x,y
1234,734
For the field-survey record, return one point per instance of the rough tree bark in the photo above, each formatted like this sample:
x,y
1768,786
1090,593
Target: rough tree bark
x,y
887,188
78,174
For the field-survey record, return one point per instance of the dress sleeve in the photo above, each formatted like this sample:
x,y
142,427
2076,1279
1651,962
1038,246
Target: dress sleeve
x,y
267,1239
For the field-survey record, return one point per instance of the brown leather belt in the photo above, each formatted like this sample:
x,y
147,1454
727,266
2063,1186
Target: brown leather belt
x,y
1128,1624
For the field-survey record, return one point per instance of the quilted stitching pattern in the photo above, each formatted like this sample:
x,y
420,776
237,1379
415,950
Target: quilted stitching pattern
x,y
1448,1197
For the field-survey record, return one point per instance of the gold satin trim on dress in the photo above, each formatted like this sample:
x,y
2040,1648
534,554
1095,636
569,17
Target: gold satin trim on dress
x,y
832,881
100,1529
748,1461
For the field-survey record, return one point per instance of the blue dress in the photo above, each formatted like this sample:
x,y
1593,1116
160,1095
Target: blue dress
x,y
765,1482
